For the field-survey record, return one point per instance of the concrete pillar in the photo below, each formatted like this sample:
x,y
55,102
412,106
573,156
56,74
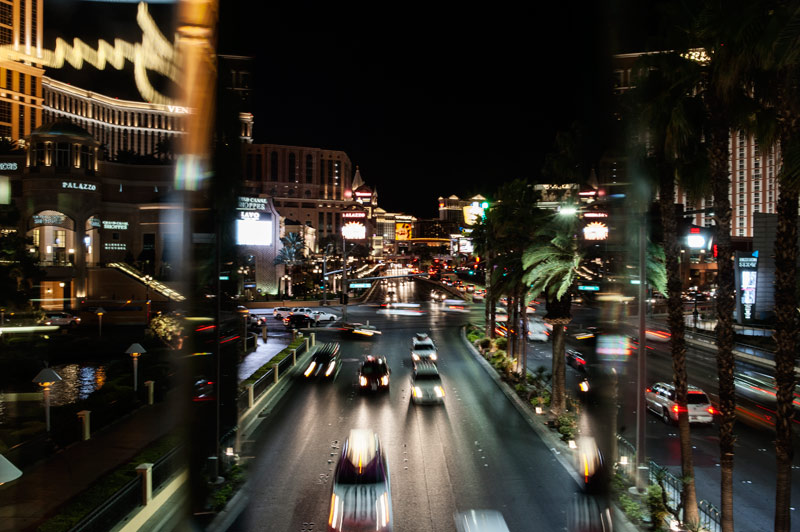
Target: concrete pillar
x,y
86,428
264,333
275,372
145,473
313,339
250,398
306,342
294,357
149,386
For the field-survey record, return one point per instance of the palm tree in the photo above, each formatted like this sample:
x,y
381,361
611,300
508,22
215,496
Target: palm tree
x,y
484,244
551,266
292,253
671,111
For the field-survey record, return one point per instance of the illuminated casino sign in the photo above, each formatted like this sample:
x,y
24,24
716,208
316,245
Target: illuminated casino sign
x,y
117,226
78,186
402,231
9,166
746,272
353,227
252,204
595,231
49,219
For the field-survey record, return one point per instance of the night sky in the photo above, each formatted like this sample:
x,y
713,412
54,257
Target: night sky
x,y
427,99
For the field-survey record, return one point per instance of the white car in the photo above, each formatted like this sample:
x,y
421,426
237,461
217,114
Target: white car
x,y
281,312
660,398
423,348
426,384
305,311
361,497
321,315
480,521
62,319
500,314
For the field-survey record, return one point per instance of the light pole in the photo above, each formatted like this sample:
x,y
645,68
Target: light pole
x,y
328,250
100,311
8,471
147,280
695,314
134,351
46,378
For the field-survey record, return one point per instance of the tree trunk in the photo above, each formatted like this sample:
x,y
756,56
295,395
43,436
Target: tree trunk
x,y
786,344
524,342
558,315
511,330
677,340
488,302
720,184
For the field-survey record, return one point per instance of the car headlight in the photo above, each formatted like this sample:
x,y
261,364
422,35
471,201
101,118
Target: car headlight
x,y
416,391
330,369
414,356
385,380
383,509
310,368
335,516
433,356
362,381
439,391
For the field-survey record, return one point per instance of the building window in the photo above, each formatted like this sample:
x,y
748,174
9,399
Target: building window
x,y
292,168
62,155
60,240
259,170
273,166
309,169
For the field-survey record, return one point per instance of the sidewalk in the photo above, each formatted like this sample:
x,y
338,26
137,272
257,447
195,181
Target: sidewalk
x,y
27,501
276,342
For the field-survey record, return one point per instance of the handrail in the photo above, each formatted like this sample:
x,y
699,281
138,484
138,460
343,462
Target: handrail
x,y
157,286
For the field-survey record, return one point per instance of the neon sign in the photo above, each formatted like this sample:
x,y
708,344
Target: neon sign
x,y
78,186
595,231
354,231
154,53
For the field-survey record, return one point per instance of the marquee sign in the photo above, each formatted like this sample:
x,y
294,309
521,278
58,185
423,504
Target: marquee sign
x,y
746,267
78,186
595,231
354,231
252,204
354,215
115,225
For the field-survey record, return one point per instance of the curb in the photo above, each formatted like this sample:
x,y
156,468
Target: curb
x,y
557,447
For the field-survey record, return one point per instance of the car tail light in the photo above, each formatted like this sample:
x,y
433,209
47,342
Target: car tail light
x,y
678,409
711,410
648,390
362,381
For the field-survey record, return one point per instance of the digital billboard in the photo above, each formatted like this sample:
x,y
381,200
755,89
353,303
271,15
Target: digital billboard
x,y
254,229
402,231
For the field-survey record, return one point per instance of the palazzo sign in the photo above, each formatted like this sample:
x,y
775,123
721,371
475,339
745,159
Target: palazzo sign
x,y
78,186
353,227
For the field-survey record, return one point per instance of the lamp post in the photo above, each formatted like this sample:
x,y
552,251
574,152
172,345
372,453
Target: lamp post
x,y
134,351
147,280
695,314
100,311
46,378
8,471
325,254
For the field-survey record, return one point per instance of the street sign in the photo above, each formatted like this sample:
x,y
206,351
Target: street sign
x,y
589,288
360,285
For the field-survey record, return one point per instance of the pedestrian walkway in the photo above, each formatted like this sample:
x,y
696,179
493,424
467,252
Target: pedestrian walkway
x,y
38,493
264,352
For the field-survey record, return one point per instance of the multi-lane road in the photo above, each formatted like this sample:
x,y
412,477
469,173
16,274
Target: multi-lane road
x,y
475,451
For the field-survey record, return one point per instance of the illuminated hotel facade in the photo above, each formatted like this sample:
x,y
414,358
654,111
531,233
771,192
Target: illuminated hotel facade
x,y
21,83
118,125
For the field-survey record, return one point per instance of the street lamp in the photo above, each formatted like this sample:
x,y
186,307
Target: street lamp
x,y
8,471
100,311
46,378
134,351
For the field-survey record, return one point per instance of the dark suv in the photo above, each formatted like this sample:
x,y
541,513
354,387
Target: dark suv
x,y
373,374
297,321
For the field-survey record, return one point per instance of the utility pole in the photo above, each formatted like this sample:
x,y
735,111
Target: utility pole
x,y
641,366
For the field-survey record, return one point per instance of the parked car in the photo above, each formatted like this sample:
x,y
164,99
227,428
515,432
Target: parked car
x,y
661,400
297,321
281,312
322,315
361,497
325,362
426,384
63,319
374,374
306,311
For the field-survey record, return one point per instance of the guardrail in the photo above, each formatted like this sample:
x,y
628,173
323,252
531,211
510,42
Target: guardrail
x,y
131,496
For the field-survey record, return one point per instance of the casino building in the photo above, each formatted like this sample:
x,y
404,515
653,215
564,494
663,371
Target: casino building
x,y
104,230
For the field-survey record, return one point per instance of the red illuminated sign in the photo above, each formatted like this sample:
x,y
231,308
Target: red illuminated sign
x,y
351,215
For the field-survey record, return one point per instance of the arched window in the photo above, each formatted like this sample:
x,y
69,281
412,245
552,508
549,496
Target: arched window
x,y
273,166
307,193
309,169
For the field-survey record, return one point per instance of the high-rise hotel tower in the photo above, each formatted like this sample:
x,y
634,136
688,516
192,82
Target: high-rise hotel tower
x,y
21,83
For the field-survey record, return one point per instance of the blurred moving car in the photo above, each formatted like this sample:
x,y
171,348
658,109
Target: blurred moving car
x,y
297,321
281,312
255,321
361,497
322,315
423,348
660,398
480,521
373,374
437,296
203,390
500,314
62,319
589,513
575,360
426,384
325,362
305,311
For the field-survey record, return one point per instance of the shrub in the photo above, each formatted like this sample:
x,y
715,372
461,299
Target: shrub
x,y
501,343
484,344
567,425
656,507
632,508
474,336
